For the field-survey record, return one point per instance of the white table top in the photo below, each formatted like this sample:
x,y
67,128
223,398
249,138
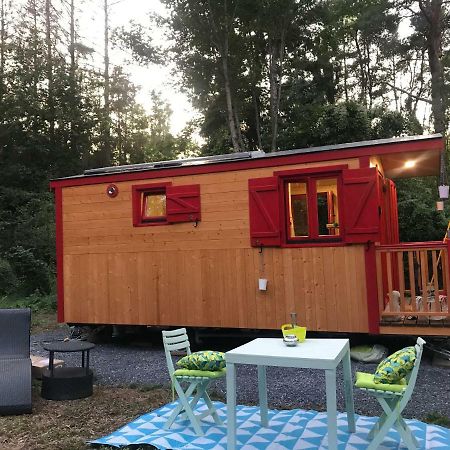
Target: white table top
x,y
312,353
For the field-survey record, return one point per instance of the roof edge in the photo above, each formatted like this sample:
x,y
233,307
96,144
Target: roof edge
x,y
235,158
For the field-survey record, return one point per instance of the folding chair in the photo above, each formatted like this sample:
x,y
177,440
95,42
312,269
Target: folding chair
x,y
196,380
393,399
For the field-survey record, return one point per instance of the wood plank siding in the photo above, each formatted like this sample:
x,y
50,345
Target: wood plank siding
x,y
205,275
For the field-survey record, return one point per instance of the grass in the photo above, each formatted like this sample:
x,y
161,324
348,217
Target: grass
x,y
43,316
437,418
67,425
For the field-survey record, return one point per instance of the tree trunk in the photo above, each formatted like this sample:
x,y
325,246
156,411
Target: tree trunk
x,y
432,11
73,144
276,56
363,80
220,41
35,49
107,137
257,118
230,113
2,49
50,97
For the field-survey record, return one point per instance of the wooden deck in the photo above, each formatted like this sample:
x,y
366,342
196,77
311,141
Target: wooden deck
x,y
413,281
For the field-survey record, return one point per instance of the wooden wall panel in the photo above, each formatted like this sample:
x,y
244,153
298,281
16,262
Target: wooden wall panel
x,y
205,275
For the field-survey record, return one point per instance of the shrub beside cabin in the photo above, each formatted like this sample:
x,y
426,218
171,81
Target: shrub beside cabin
x,y
185,242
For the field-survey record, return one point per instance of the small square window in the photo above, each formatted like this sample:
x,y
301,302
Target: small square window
x,y
149,204
153,206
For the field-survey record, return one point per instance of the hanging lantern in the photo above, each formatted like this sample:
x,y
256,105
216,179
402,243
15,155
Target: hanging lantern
x,y
443,192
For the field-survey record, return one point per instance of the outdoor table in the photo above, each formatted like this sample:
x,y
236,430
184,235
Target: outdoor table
x,y
67,383
324,354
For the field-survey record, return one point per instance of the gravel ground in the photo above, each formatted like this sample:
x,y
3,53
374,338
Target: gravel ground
x,y
143,363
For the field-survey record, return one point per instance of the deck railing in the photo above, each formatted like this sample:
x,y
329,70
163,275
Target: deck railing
x,y
413,281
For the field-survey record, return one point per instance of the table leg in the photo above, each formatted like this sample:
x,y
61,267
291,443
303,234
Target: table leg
x,y
82,358
330,378
231,406
348,388
262,390
87,362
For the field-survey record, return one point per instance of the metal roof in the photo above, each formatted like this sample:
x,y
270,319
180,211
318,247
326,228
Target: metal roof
x,y
242,156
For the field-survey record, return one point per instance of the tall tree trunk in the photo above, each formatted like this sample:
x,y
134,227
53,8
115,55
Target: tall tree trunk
x,y
221,42
276,56
369,75
345,71
35,49
2,49
73,144
107,137
433,13
49,63
230,113
363,80
257,117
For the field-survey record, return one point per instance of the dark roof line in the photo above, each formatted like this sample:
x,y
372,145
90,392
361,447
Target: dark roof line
x,y
231,157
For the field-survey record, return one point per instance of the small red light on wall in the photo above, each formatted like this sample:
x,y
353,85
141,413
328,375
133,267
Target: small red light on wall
x,y
112,191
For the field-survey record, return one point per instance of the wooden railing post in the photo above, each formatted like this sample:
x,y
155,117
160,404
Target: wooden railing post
x,y
447,267
372,288
418,297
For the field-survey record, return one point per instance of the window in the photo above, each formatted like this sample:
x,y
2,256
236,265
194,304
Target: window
x,y
153,206
312,208
162,204
321,205
150,204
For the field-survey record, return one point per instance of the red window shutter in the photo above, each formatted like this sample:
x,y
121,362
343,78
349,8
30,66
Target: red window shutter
x,y
361,205
183,203
264,208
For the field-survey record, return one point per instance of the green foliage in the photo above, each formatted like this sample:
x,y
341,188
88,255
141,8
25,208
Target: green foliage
x,y
8,279
37,302
417,215
136,38
54,124
437,418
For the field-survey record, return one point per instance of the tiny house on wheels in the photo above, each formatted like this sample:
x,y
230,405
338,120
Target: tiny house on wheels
x,y
241,240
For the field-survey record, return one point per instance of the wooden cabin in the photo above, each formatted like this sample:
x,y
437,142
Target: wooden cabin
x,y
186,242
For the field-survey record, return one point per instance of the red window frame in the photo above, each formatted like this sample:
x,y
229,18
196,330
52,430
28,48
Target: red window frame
x,y
138,198
310,177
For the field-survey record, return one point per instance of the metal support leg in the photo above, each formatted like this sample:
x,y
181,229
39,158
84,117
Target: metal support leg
x,y
262,390
330,378
348,387
231,406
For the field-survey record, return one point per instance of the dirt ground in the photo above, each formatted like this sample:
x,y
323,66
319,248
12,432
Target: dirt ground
x,y
67,425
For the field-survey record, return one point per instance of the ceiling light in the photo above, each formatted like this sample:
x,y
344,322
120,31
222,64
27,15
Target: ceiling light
x,y
409,164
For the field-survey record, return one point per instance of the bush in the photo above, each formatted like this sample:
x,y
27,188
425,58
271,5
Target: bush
x,y
36,301
33,273
8,280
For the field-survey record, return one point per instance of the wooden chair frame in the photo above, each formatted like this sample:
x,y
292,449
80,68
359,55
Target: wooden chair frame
x,y
177,340
393,403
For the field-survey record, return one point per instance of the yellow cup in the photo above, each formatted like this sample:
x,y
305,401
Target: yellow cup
x,y
300,332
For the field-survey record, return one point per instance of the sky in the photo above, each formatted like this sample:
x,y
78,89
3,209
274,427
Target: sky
x,y
90,18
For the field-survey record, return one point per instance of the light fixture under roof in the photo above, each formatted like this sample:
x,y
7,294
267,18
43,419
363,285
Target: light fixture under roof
x,y
409,164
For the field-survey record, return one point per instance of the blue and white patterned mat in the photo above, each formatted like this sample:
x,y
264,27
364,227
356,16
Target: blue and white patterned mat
x,y
288,430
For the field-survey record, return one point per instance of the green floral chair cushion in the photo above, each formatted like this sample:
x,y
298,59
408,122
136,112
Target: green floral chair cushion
x,y
365,380
205,360
395,367
200,373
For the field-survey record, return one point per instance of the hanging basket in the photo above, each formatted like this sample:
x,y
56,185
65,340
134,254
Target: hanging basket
x,y
443,192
